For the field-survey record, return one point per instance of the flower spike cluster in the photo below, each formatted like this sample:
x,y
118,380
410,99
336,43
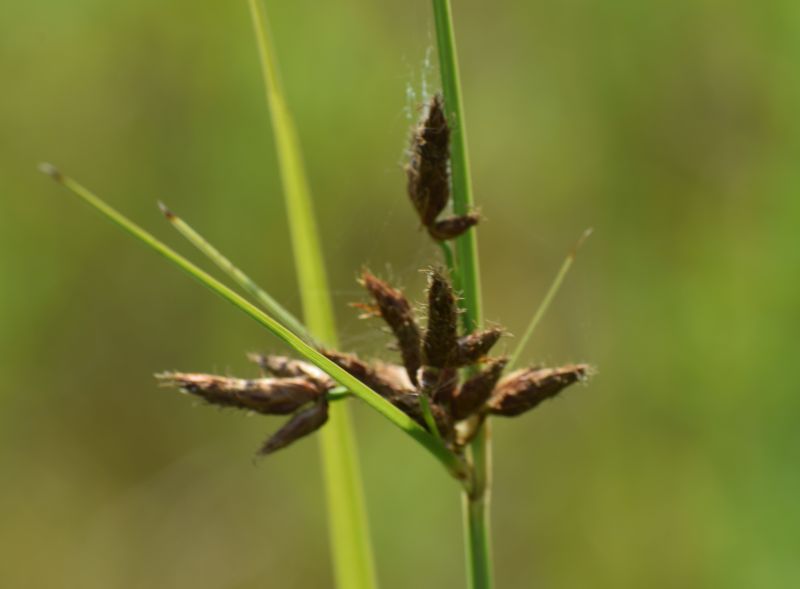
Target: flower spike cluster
x,y
458,405
446,381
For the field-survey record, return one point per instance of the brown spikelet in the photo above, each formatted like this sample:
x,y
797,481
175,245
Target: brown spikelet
x,y
427,171
380,381
390,382
471,348
284,366
440,336
524,389
396,311
271,396
301,424
452,227
439,385
409,404
394,374
477,389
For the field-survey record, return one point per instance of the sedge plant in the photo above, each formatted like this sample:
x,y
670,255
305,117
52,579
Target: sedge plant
x,y
446,386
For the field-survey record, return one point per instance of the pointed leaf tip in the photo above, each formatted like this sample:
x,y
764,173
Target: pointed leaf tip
x,y
167,213
51,170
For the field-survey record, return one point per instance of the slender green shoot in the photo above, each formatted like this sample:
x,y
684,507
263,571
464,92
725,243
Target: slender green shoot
x,y
466,246
427,416
548,298
349,529
475,507
466,273
317,308
452,462
450,261
269,304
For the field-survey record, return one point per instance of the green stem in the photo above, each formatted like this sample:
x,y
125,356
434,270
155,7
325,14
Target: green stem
x,y
476,516
349,529
467,245
467,275
427,415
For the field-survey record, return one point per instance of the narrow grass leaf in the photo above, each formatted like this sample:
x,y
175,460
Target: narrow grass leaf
x,y
427,415
349,529
269,304
548,298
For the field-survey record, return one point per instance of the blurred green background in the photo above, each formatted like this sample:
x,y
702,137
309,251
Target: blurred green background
x,y
670,127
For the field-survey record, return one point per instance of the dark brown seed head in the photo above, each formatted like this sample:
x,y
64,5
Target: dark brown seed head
x,y
284,366
477,389
270,396
394,374
452,227
439,385
439,345
396,311
378,381
409,404
428,168
524,389
473,347
301,424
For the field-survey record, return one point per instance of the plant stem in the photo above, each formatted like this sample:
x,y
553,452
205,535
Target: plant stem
x,y
467,276
349,529
475,505
427,416
466,245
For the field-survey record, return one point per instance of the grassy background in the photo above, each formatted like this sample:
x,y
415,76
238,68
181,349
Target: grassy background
x,y
670,127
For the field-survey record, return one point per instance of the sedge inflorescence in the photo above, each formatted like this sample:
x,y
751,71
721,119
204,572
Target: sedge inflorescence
x,y
446,381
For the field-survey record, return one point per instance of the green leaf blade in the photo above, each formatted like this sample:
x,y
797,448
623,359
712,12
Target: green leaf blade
x,y
344,378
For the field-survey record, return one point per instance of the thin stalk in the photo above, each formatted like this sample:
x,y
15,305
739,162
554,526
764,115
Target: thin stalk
x,y
467,273
452,462
269,304
349,529
548,298
427,415
475,507
467,245
450,260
